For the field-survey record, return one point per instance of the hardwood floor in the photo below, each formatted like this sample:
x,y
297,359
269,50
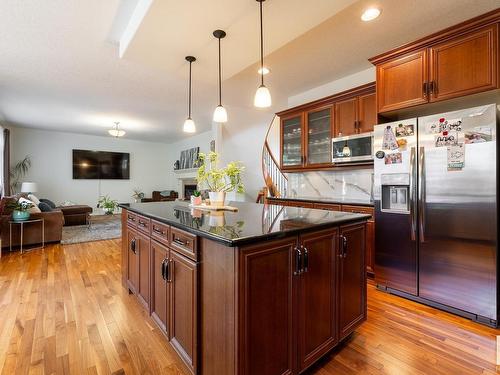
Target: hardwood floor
x,y
63,310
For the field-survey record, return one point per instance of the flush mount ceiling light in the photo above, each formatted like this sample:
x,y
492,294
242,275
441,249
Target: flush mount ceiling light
x,y
220,113
189,125
264,71
116,131
370,14
262,96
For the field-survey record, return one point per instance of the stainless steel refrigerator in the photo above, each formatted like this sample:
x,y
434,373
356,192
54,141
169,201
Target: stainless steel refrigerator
x,y
435,195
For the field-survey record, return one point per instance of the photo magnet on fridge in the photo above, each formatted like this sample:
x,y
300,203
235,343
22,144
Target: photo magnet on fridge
x,y
478,135
396,158
444,125
446,139
405,130
389,141
456,157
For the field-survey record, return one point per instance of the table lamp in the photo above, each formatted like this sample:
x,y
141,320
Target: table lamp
x,y
29,187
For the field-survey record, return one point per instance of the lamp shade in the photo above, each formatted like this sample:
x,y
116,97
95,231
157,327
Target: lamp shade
x,y
189,126
220,114
262,97
29,187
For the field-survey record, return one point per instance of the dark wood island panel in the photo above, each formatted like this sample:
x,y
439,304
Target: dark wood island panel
x,y
266,306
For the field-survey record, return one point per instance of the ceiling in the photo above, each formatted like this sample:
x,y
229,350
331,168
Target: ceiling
x,y
79,65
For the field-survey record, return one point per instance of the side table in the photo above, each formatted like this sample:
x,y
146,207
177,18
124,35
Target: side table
x,y
22,223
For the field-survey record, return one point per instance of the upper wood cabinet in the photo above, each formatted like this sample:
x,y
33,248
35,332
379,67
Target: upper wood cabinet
x,y
307,130
464,65
318,135
367,112
292,141
346,117
455,62
400,82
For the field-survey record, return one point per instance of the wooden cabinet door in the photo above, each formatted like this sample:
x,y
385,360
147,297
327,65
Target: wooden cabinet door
x,y
400,82
143,248
292,141
183,308
346,117
159,285
367,113
318,136
370,248
317,304
266,296
352,278
133,261
464,65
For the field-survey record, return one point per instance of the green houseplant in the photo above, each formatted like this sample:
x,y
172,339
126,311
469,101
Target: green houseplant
x,y
109,205
217,180
18,171
138,195
196,198
20,210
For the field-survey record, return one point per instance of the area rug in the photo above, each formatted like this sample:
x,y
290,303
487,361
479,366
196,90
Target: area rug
x,y
103,227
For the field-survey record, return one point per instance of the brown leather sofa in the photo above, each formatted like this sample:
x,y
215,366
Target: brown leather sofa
x,y
75,214
53,222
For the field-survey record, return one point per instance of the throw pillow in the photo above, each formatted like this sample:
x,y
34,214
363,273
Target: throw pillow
x,y
44,207
34,199
49,202
32,210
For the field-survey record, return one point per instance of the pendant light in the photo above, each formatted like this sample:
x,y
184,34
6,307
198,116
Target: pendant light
x,y
262,96
220,113
116,131
189,125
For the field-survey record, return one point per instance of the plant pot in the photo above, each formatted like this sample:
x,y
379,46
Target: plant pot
x,y
108,211
20,215
195,201
217,198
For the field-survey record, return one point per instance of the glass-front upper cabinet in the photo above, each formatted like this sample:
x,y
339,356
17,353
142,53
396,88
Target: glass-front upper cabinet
x,y
291,141
319,136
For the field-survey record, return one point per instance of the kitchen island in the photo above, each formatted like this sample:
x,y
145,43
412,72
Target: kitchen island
x,y
264,290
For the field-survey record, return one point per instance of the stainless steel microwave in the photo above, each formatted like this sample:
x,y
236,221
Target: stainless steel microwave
x,y
352,148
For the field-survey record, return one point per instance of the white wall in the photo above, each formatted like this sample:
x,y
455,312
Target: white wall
x,y
51,155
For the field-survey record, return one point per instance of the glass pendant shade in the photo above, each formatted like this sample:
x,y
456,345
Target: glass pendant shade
x,y
116,132
220,114
262,97
189,126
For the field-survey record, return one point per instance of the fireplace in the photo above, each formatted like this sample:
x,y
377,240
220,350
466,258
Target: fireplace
x,y
189,189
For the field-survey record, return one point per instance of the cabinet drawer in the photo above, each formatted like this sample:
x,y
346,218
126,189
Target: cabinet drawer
x,y
358,209
143,224
184,243
132,219
159,232
328,206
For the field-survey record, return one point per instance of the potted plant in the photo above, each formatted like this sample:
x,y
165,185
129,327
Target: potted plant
x,y
196,198
138,195
20,210
219,181
107,204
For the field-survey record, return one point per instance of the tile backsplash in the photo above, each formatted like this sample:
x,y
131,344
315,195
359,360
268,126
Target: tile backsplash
x,y
342,185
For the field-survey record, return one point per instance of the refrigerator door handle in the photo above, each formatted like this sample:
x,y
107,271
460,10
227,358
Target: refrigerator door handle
x,y
421,190
413,210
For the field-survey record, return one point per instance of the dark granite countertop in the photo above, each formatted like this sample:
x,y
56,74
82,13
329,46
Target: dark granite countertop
x,y
252,222
350,201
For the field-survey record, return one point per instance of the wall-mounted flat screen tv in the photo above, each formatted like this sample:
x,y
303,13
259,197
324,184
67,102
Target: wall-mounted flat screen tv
x,y
100,165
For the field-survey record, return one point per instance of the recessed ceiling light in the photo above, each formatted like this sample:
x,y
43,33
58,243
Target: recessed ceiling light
x,y
264,71
370,14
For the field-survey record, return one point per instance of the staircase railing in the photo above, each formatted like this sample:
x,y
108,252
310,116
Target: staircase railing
x,y
275,180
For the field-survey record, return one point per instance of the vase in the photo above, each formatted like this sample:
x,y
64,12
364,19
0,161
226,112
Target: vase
x,y
20,215
195,201
108,211
217,198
